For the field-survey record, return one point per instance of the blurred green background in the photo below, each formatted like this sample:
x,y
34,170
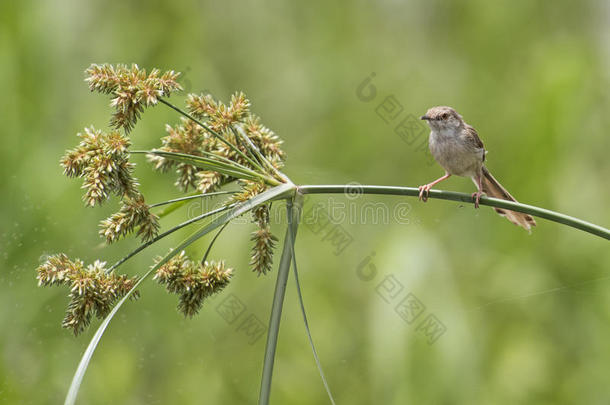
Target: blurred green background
x,y
526,319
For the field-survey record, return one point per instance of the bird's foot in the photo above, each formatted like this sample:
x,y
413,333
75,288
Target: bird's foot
x,y
424,191
476,196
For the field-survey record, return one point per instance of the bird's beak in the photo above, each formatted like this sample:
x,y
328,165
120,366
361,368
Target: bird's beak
x,y
424,117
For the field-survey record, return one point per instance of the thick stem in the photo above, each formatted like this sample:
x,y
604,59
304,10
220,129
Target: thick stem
x,y
293,208
461,197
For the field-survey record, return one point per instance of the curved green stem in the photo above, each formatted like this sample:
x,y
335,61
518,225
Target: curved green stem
x,y
461,197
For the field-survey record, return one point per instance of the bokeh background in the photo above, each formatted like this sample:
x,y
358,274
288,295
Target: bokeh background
x,y
526,318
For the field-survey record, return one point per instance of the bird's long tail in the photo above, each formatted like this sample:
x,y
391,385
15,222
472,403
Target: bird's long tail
x,y
492,188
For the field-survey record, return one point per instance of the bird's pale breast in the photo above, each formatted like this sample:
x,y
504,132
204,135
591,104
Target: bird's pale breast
x,y
456,156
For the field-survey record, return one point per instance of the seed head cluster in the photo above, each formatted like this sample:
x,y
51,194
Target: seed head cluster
x,y
190,138
226,137
192,281
264,242
131,89
93,290
134,213
102,161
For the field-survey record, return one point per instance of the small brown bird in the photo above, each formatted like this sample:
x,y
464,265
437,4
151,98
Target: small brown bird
x,y
456,146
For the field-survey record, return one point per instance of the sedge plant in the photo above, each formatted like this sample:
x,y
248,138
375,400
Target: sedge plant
x,y
214,149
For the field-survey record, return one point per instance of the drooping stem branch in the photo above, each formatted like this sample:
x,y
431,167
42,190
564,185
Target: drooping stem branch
x,y
293,211
304,313
352,189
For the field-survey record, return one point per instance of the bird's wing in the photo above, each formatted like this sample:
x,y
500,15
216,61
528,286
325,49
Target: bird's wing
x,y
472,138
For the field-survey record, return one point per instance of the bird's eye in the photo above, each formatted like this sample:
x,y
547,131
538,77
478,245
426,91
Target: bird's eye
x,y
444,116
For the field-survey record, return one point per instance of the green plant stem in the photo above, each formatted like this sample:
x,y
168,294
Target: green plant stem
x,y
168,232
216,134
304,313
232,169
257,152
176,203
248,146
461,197
191,197
207,252
293,210
170,208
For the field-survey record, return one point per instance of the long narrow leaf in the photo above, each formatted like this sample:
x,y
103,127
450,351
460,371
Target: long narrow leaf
x,y
191,197
277,306
282,190
298,205
173,205
233,170
239,131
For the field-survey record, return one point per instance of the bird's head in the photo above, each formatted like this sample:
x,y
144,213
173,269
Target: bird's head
x,y
443,118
